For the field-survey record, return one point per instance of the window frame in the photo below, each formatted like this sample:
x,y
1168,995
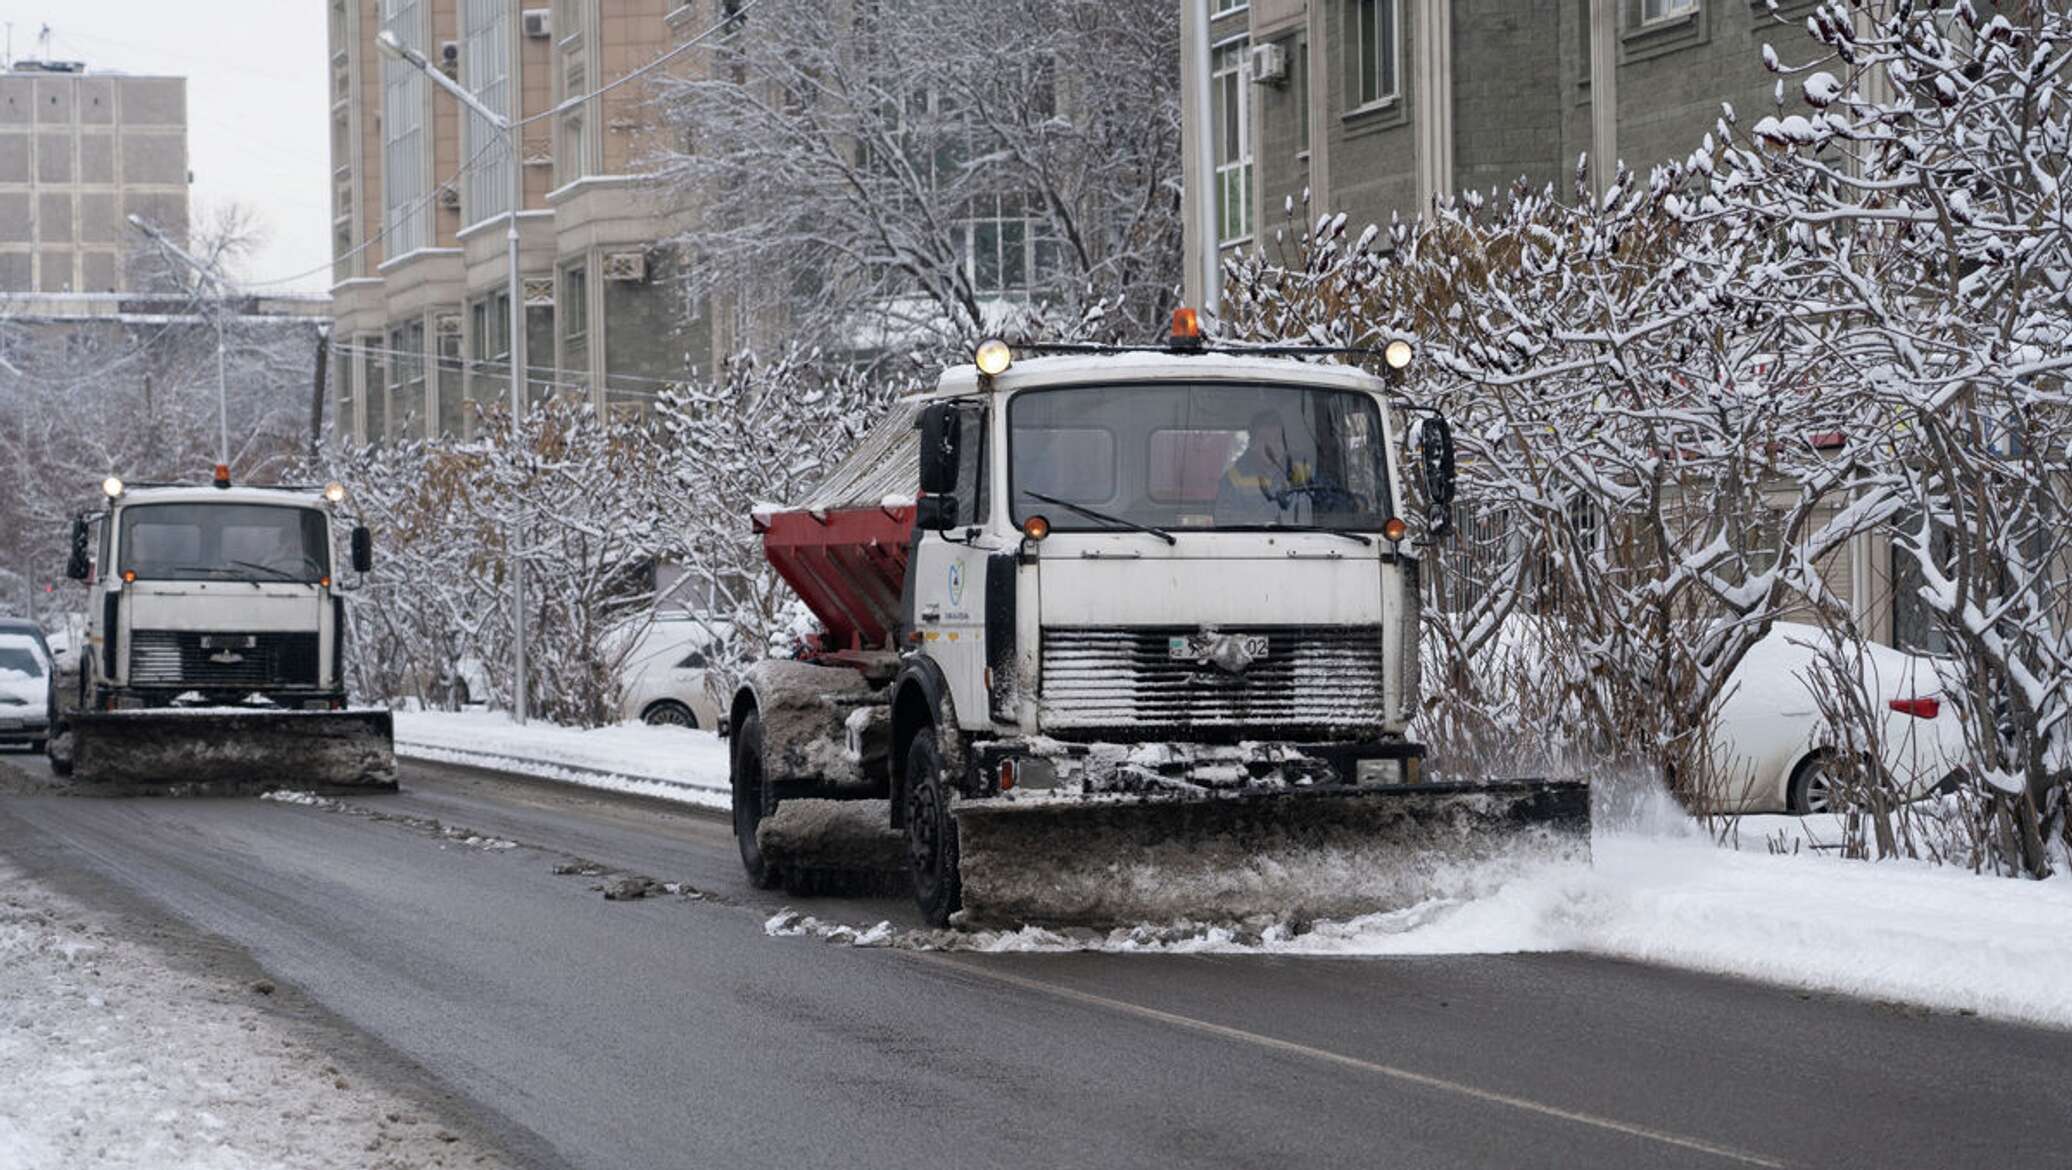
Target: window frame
x,y
1230,86
1388,56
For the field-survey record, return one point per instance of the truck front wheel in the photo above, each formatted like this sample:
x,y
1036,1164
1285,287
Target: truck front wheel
x,y
752,801
931,832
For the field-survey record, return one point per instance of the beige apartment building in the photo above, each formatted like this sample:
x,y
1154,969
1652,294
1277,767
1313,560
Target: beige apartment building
x,y
421,210
81,151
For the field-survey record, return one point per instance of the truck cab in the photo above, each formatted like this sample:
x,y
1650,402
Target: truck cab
x,y
206,595
1205,553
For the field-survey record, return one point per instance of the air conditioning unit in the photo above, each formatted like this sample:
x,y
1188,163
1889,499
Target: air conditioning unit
x,y
538,22
629,266
1270,63
449,198
449,59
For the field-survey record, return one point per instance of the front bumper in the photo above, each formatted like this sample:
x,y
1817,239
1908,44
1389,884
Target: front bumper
x,y
285,698
1040,764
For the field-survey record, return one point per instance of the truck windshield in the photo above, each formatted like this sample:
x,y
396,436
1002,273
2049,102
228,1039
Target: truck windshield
x,y
223,542
1229,455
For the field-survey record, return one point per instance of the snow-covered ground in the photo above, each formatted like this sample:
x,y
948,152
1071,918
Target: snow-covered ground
x,y
671,762
112,1058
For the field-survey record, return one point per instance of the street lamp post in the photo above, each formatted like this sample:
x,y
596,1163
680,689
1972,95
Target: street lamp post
x,y
393,47
208,273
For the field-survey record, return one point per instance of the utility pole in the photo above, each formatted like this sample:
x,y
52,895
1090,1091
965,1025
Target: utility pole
x,y
316,399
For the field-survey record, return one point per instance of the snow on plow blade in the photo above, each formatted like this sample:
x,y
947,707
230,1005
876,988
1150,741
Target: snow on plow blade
x,y
223,752
1287,854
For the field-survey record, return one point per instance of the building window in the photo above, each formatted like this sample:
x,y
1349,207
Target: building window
x,y
1226,7
1232,98
1298,85
485,62
405,197
406,380
572,153
575,303
1652,11
1007,251
1371,37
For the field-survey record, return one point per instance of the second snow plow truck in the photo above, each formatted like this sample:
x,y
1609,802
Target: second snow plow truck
x,y
215,650
1144,648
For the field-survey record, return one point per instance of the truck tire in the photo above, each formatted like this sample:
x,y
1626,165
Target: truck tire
x,y
931,832
751,801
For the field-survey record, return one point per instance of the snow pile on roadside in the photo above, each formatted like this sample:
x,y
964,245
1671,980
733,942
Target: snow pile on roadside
x,y
670,762
111,1059
1903,931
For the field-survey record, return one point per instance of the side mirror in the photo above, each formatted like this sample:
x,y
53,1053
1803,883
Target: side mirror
x,y
939,427
363,549
1435,453
935,513
80,565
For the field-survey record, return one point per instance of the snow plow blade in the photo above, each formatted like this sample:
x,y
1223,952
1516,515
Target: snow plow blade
x,y
176,752
1286,854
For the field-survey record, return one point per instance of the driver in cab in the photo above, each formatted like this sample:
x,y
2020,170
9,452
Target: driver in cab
x,y
1261,484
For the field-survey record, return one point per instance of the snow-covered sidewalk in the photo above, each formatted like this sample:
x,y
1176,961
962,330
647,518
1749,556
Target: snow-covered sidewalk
x,y
669,762
114,1059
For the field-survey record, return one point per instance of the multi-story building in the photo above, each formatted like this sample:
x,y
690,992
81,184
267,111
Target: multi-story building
x,y
80,152
1376,107
421,200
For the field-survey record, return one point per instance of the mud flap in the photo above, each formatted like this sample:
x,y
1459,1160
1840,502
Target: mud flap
x,y
1288,854
217,752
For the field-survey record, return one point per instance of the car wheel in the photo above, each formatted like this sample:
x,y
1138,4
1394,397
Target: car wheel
x,y
931,832
752,801
1813,786
669,713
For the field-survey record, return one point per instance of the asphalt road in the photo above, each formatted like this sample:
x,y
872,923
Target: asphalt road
x,y
670,1032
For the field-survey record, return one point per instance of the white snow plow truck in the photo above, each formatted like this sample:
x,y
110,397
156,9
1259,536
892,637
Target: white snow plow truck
x,y
215,649
1122,635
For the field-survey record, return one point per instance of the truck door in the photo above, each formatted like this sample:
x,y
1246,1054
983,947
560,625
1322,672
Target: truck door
x,y
950,578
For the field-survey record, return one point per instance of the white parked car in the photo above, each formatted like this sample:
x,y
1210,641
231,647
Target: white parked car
x,y
1775,752
25,691
668,674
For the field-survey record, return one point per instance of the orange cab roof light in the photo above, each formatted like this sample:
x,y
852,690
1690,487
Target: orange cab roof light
x,y
223,475
1186,328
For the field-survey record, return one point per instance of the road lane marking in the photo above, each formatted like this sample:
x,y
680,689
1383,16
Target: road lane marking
x,y
1404,1075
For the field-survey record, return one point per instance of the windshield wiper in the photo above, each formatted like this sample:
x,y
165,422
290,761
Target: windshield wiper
x,y
1104,517
1365,541
279,574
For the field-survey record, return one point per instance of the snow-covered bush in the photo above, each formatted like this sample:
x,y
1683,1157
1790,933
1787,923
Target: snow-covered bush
x,y
1915,232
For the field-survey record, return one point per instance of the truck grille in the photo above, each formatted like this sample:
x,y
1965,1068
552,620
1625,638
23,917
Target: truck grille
x,y
178,658
1313,679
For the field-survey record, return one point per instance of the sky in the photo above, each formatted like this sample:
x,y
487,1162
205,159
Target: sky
x,y
257,130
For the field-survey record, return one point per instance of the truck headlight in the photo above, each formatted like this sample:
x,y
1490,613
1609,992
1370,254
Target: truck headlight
x,y
111,487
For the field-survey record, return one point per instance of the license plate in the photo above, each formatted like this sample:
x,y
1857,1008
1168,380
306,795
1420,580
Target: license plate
x,y
228,641
1201,647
